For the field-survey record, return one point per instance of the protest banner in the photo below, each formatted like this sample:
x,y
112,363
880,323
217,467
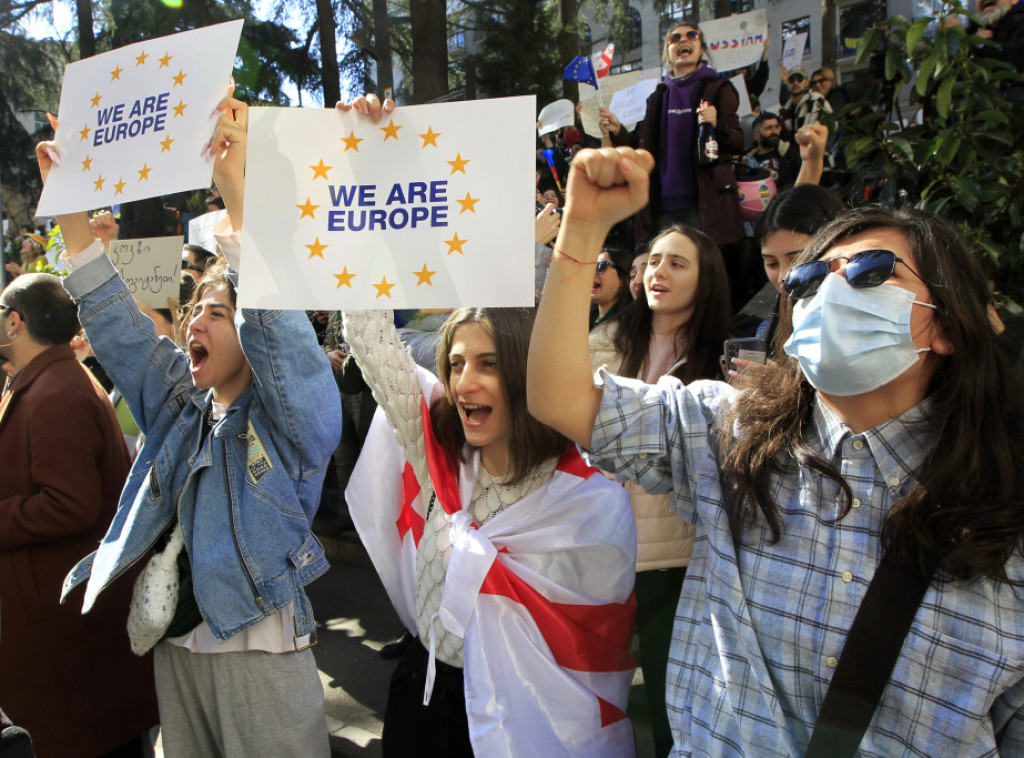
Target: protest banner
x,y
736,41
200,230
421,210
630,104
133,121
610,85
150,267
793,50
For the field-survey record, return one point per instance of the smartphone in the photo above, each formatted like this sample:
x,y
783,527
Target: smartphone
x,y
747,348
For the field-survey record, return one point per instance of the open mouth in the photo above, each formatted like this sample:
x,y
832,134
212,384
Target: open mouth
x,y
198,355
684,49
658,289
475,414
596,287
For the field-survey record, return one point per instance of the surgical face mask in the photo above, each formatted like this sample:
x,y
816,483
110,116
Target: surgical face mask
x,y
851,341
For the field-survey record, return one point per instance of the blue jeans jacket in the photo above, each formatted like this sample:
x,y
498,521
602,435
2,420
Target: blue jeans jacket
x,y
246,495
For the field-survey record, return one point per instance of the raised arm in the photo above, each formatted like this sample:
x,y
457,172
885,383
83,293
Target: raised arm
x,y
605,186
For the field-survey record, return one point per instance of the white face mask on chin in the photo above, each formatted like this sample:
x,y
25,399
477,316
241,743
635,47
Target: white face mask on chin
x,y
851,341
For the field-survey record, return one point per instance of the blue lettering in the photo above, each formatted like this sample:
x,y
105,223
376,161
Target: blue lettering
x,y
439,215
377,217
351,221
161,101
396,214
341,196
366,192
336,221
396,195
439,192
419,214
417,191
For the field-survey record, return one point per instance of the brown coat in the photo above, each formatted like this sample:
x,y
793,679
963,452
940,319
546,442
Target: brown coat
x,y
70,680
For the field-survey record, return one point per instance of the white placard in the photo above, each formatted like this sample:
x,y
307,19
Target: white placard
x,y
736,41
417,211
743,109
609,86
150,267
629,105
555,116
133,121
200,230
793,51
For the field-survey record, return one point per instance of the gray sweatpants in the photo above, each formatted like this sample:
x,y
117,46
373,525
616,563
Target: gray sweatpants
x,y
240,705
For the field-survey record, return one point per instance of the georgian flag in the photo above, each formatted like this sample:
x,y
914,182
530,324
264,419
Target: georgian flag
x,y
541,594
603,60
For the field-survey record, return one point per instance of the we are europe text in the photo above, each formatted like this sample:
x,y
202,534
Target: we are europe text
x,y
412,204
147,115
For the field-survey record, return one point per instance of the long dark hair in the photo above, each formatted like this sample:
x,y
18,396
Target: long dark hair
x,y
703,334
530,442
967,510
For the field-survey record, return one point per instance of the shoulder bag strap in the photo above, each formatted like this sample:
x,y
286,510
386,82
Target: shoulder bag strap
x,y
868,658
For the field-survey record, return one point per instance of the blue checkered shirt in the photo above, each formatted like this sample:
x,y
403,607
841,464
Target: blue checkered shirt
x,y
759,628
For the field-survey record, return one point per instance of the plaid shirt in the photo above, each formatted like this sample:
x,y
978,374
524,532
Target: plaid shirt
x,y
759,629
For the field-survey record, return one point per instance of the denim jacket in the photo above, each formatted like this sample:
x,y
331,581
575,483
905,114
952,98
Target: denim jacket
x,y
246,495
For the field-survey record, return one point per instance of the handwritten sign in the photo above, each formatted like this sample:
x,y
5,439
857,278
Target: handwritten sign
x,y
793,51
200,230
418,211
133,121
630,104
609,86
150,267
736,41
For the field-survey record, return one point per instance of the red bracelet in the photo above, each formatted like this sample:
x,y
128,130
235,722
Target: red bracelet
x,y
569,257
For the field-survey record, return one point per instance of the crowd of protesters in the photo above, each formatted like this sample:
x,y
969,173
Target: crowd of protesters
x,y
795,482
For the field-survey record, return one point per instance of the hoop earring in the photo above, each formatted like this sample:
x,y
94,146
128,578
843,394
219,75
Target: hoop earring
x,y
10,335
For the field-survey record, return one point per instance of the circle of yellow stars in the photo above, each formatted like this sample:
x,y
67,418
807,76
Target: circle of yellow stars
x,y
166,144
390,131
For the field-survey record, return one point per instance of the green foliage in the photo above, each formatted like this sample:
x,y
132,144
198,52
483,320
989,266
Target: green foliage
x,y
519,52
965,160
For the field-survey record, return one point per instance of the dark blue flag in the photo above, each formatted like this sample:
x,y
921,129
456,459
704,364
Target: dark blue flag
x,y
581,69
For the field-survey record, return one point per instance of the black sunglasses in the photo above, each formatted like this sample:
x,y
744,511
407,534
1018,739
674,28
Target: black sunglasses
x,y
819,80
6,308
796,78
602,266
868,268
192,267
676,37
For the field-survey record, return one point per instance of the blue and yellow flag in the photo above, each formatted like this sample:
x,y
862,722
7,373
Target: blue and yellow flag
x,y
581,69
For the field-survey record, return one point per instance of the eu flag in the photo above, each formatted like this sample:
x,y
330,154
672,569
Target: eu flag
x,y
581,69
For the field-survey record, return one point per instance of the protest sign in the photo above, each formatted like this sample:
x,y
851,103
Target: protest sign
x,y
133,121
630,104
793,50
200,230
421,210
736,41
610,85
150,267
555,116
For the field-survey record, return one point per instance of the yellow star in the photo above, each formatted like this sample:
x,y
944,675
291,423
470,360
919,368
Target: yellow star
x,y
468,203
95,100
86,164
459,164
144,172
116,73
99,183
317,249
351,142
384,289
455,245
391,130
85,133
166,60
430,137
119,186
344,278
424,275
165,145
320,170
179,109
140,59
307,209
180,78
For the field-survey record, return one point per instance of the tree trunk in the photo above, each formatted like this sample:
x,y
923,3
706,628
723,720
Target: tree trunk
x,y
429,49
382,47
569,42
86,39
327,29
828,33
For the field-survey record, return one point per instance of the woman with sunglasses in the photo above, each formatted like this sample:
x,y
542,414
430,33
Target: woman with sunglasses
x,y
611,287
892,425
675,328
683,192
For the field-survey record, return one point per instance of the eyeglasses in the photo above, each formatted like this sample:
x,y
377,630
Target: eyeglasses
x,y
192,267
602,266
796,78
675,37
868,268
819,80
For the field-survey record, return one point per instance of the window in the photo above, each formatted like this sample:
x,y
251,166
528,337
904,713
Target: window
x,y
854,20
798,26
622,68
586,37
456,38
636,38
